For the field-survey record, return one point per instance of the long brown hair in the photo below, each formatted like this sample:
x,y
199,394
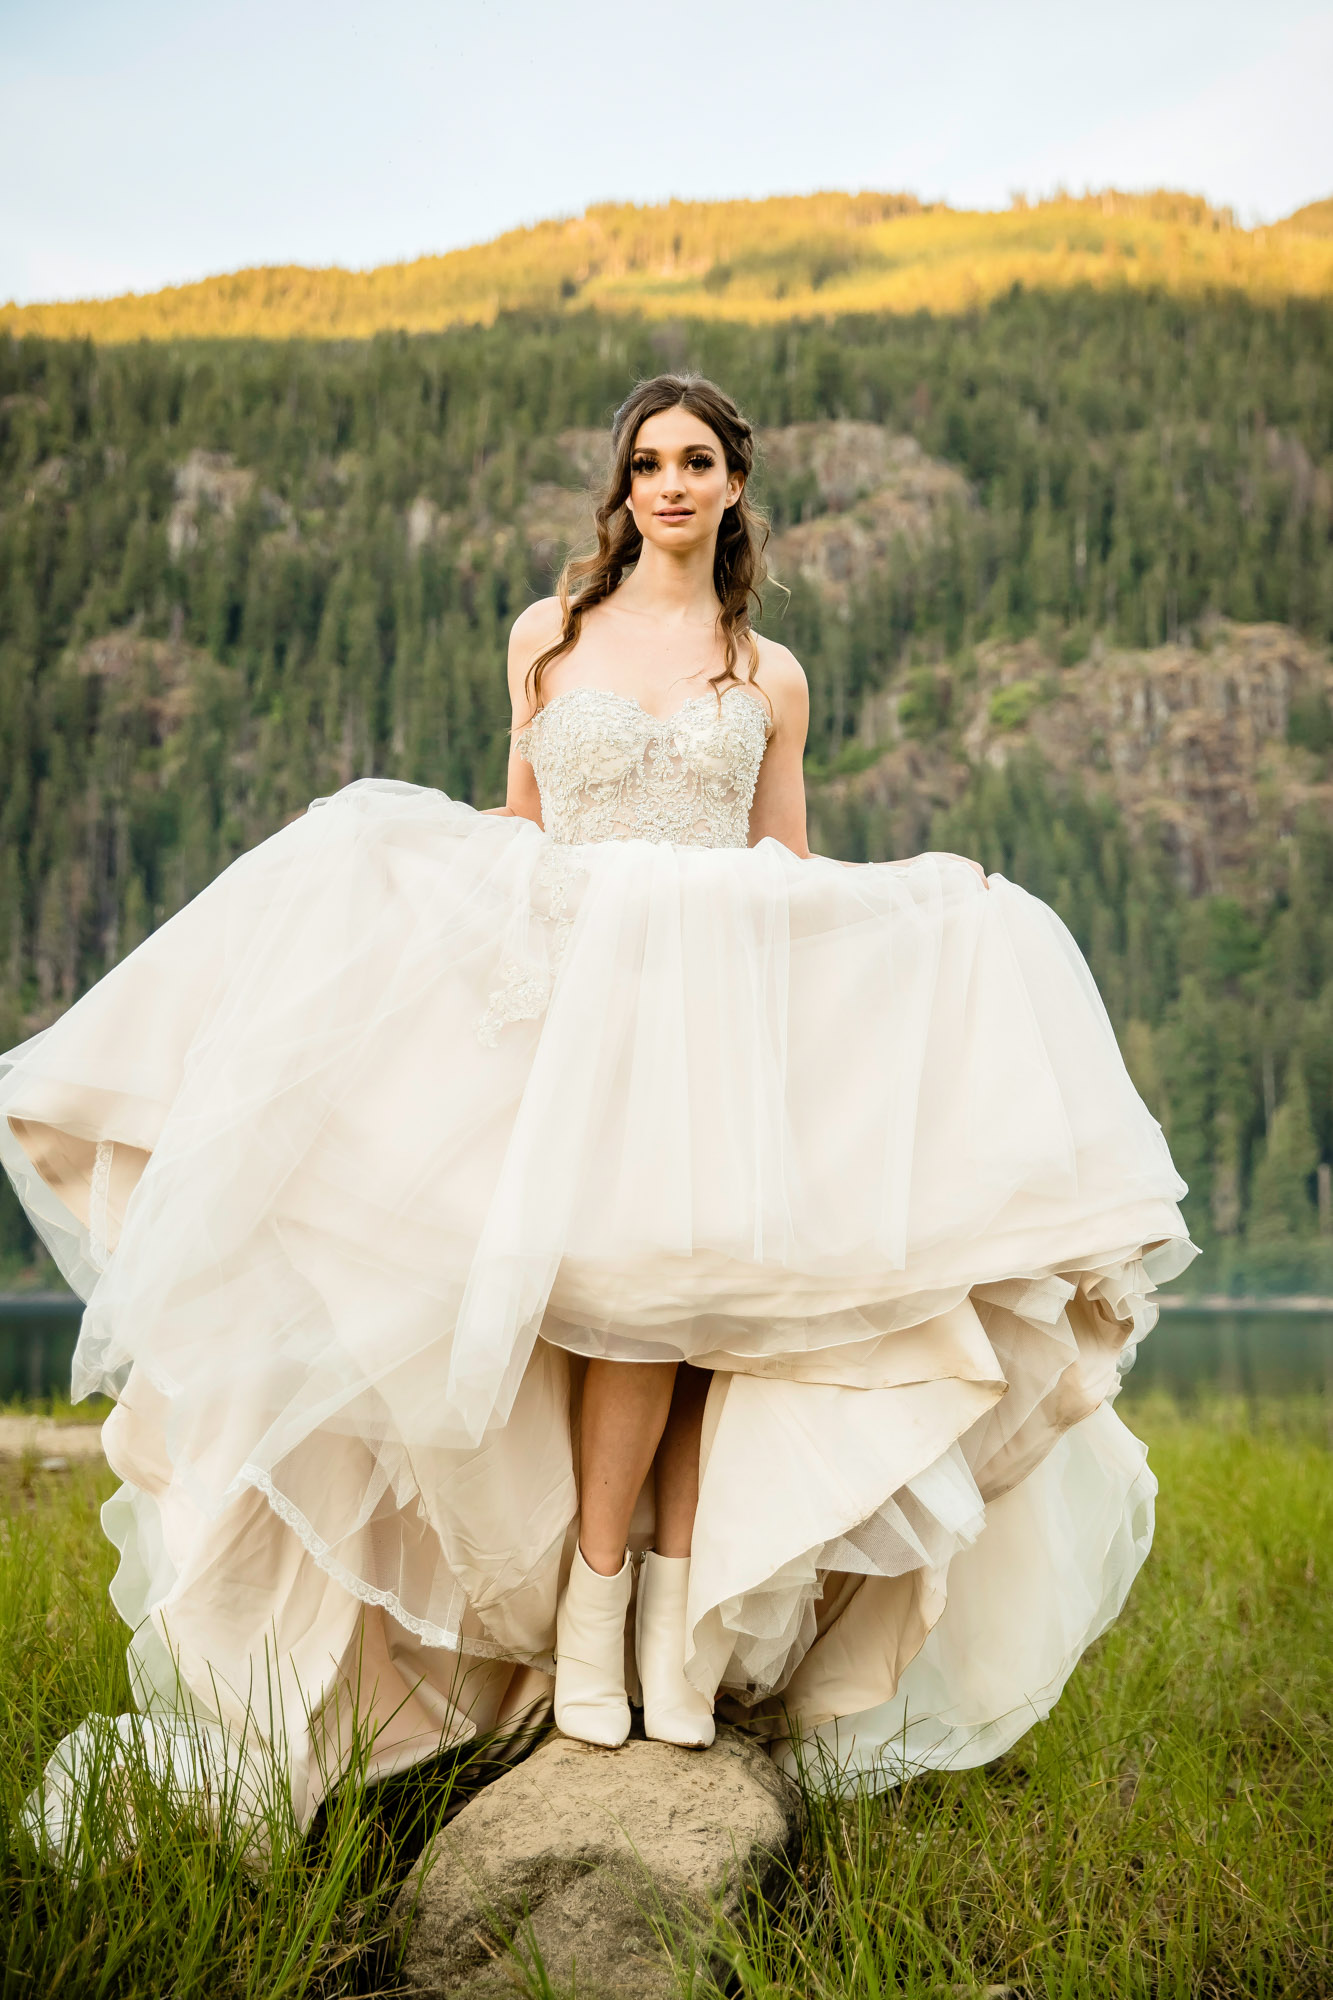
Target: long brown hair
x,y
738,560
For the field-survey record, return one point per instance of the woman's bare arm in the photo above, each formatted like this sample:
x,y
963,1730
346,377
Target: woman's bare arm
x,y
778,812
531,633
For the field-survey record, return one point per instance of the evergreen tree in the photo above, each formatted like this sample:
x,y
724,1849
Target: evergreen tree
x,y
235,575
1282,1204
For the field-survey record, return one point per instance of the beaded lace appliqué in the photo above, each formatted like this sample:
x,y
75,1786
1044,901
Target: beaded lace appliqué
x,y
608,770
99,1190
526,982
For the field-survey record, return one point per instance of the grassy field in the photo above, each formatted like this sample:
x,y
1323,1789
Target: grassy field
x,y
1167,1833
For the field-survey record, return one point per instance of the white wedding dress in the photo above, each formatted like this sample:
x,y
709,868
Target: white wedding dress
x,y
359,1156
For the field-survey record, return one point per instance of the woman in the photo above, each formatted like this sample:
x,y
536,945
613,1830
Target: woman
x,y
462,1200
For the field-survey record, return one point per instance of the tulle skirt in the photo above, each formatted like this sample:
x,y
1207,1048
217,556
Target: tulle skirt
x,y
363,1155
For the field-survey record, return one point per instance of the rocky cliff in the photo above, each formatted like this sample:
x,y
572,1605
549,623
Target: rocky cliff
x,y
1212,747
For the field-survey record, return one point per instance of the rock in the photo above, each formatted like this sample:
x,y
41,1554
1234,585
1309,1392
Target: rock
x,y
154,684
211,486
424,522
845,458
555,520
880,490
578,1849
1212,747
206,482
589,451
1192,739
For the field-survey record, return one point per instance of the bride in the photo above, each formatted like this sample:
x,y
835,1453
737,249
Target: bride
x,y
599,1239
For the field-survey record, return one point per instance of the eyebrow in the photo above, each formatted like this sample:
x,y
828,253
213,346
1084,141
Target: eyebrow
x,y
687,448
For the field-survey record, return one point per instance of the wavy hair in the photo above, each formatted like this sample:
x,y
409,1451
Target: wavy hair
x,y
738,559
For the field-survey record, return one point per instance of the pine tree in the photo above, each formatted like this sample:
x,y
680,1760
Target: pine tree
x,y
1129,460
1282,1205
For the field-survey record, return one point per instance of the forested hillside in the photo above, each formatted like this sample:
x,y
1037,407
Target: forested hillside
x,y
758,261
1061,573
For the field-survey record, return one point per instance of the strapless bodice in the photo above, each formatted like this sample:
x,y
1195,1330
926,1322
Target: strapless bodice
x,y
608,770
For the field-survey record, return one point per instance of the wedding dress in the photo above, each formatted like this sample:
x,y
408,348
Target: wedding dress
x,y
361,1155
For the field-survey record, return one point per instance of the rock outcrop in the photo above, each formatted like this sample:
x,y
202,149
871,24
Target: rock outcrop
x,y
1214,746
1196,739
877,488
584,1858
150,686
866,488
555,520
212,487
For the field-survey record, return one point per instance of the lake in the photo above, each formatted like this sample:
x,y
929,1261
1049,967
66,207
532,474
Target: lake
x,y
1192,1351
1251,1353
37,1337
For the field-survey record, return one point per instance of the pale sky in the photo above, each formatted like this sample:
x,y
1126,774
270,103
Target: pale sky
x,y
150,142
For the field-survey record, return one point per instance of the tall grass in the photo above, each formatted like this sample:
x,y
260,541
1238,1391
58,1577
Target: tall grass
x,y
1167,1833
166,1895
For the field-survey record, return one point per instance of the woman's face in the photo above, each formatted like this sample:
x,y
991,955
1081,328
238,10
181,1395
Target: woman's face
x,y
679,483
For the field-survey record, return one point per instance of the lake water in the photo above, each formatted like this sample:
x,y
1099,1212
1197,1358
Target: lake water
x,y
1251,1353
37,1338
1254,1353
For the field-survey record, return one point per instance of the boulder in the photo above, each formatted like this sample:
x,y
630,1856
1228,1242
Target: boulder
x,y
583,1857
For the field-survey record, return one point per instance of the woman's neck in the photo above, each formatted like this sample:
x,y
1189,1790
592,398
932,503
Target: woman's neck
x,y
674,589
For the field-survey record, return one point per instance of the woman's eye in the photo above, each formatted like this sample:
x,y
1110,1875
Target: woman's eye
x,y
644,465
700,462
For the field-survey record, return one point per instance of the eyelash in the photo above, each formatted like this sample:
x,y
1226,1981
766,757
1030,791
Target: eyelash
x,y
700,462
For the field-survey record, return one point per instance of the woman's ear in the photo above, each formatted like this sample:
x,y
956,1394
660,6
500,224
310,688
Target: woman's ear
x,y
735,488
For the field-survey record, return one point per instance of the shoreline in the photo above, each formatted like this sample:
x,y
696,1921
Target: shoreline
x,y
1221,1302
58,1305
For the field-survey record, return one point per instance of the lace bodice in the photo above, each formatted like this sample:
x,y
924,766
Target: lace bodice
x,y
608,770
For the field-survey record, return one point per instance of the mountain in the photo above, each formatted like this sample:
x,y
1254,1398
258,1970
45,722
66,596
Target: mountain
x,y
788,257
1315,219
1060,572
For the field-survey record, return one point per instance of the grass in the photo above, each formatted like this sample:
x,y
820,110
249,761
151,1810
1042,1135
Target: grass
x,y
181,1908
58,1409
1167,1833
1170,1830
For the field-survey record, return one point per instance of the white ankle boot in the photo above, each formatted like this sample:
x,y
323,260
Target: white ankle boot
x,y
673,1710
590,1654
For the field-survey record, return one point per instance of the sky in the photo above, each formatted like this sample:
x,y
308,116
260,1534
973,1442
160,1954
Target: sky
x,y
144,143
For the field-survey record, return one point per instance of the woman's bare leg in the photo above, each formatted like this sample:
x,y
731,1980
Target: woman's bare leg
x,y
625,1410
676,1468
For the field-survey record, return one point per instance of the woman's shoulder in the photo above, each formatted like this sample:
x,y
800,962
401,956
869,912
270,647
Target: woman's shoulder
x,y
537,627
530,635
781,677
778,663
